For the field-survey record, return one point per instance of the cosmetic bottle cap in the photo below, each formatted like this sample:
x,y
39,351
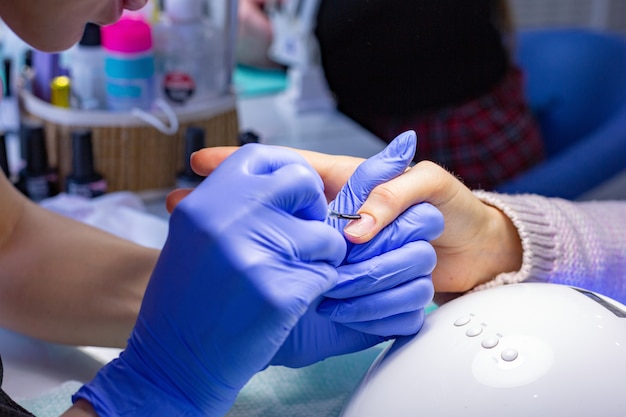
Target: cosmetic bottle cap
x,y
130,34
91,35
28,58
36,152
4,160
8,79
82,154
183,10
194,141
60,91
248,136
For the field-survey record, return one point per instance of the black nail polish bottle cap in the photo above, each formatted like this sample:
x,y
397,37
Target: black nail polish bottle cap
x,y
248,136
194,141
36,152
91,35
4,160
82,156
8,79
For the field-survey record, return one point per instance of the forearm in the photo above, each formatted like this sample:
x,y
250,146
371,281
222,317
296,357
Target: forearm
x,y
581,244
67,282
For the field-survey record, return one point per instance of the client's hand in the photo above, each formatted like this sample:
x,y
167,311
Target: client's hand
x,y
478,241
334,170
384,284
246,255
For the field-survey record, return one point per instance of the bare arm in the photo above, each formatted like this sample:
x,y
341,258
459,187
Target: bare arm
x,y
66,282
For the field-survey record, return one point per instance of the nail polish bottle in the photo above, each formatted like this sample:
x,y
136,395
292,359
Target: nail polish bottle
x,y
46,66
194,141
248,136
128,64
87,70
188,54
83,180
4,160
27,72
36,180
8,77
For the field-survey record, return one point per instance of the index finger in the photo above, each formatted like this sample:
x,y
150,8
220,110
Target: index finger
x,y
335,170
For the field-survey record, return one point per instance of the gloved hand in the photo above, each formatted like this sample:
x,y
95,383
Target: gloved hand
x,y
384,284
247,253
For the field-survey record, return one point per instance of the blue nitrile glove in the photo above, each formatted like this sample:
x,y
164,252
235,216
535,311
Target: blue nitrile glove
x,y
247,253
384,284
374,293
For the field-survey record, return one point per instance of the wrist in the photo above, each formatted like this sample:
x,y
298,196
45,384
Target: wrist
x,y
142,382
502,247
81,408
118,390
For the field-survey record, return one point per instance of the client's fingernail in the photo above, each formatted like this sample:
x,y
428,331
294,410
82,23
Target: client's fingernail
x,y
360,227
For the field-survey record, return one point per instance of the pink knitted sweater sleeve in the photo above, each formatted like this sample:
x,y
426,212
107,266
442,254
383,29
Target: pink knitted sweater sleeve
x,y
582,244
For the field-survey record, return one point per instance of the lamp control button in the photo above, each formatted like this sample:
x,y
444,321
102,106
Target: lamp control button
x,y
489,342
509,355
462,321
474,331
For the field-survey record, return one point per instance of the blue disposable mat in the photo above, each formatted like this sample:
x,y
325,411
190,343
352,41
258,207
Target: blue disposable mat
x,y
319,390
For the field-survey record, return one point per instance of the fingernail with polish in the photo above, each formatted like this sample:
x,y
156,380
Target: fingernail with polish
x,y
363,226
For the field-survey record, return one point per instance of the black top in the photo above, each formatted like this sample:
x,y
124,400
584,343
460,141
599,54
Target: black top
x,y
394,57
8,407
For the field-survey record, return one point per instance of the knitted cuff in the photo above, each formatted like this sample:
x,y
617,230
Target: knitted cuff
x,y
536,234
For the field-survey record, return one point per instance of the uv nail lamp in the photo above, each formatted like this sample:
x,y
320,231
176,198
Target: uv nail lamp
x,y
519,350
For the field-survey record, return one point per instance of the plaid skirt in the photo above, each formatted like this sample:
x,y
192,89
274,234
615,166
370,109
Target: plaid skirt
x,y
484,141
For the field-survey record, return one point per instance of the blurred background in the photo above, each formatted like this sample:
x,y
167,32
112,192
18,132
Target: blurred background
x,y
601,15
598,14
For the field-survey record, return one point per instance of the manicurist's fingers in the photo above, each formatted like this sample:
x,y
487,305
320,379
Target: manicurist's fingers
x,y
334,169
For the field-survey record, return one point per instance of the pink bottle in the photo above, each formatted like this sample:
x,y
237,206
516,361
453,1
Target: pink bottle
x,y
128,64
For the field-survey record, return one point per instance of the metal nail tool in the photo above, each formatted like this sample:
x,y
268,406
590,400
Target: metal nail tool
x,y
336,214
